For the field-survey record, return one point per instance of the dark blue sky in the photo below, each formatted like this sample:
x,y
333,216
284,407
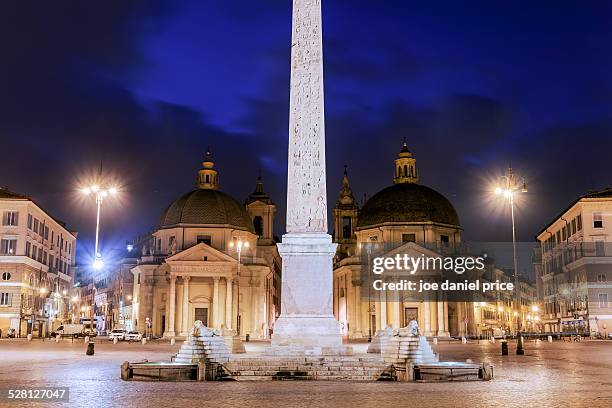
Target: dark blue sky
x,y
144,87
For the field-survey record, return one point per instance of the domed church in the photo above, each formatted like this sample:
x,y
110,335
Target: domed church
x,y
410,217
212,259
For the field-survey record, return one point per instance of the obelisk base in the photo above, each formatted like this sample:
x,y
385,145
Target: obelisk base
x,y
307,324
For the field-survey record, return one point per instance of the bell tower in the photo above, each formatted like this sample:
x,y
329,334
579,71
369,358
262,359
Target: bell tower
x,y
345,218
208,179
261,209
405,167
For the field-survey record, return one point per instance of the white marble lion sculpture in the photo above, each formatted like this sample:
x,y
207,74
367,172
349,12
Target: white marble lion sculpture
x,y
199,330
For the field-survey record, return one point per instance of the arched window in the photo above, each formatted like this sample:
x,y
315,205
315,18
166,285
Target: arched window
x,y
258,225
207,178
405,171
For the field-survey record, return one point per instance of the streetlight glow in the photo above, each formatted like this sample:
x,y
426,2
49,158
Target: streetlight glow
x,y
507,187
98,263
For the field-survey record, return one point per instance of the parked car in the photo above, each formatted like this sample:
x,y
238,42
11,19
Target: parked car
x,y
133,336
118,334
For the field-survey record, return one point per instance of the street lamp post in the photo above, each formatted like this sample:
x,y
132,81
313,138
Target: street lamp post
x,y
100,194
239,244
508,187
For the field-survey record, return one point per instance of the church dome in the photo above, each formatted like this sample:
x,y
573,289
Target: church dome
x,y
407,202
206,207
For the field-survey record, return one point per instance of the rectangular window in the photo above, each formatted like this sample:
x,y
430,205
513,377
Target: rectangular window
x,y
347,227
44,259
444,239
8,246
138,278
573,226
558,236
28,249
10,218
408,238
597,220
46,232
603,300
579,222
36,225
52,236
34,252
51,261
5,299
30,220
206,239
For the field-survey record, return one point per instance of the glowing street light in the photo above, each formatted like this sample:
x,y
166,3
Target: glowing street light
x,y
239,244
100,194
509,186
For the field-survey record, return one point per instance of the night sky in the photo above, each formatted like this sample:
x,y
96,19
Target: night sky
x,y
144,87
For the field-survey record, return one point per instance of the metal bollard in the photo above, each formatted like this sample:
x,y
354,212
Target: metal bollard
x,y
30,337
463,340
90,349
519,346
172,341
504,348
550,339
86,339
57,338
144,341
115,340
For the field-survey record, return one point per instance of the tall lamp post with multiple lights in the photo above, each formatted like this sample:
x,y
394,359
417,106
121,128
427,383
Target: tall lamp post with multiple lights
x,y
507,187
100,194
239,244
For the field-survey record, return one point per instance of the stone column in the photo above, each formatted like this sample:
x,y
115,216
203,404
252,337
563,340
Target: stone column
x,y
446,325
186,303
216,302
172,301
441,327
228,303
426,317
383,309
357,323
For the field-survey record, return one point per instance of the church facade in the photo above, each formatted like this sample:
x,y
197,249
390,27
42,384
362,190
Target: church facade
x,y
211,259
413,219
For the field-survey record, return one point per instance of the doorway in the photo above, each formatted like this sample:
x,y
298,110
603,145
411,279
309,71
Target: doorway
x,y
410,313
201,313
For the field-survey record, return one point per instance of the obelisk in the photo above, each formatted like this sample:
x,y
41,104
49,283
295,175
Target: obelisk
x,y
306,322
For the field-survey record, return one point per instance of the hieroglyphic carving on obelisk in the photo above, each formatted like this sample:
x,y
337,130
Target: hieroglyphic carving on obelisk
x,y
306,190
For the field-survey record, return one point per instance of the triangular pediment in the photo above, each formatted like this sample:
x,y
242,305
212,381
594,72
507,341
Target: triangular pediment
x,y
411,249
200,252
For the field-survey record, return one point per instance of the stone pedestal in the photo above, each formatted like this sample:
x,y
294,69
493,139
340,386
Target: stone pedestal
x,y
307,323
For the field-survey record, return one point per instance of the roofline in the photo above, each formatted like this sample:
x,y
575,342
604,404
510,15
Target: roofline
x,y
405,223
576,201
59,222
182,225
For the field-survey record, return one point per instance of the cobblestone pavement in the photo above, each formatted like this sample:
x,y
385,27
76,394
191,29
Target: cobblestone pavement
x,y
548,375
